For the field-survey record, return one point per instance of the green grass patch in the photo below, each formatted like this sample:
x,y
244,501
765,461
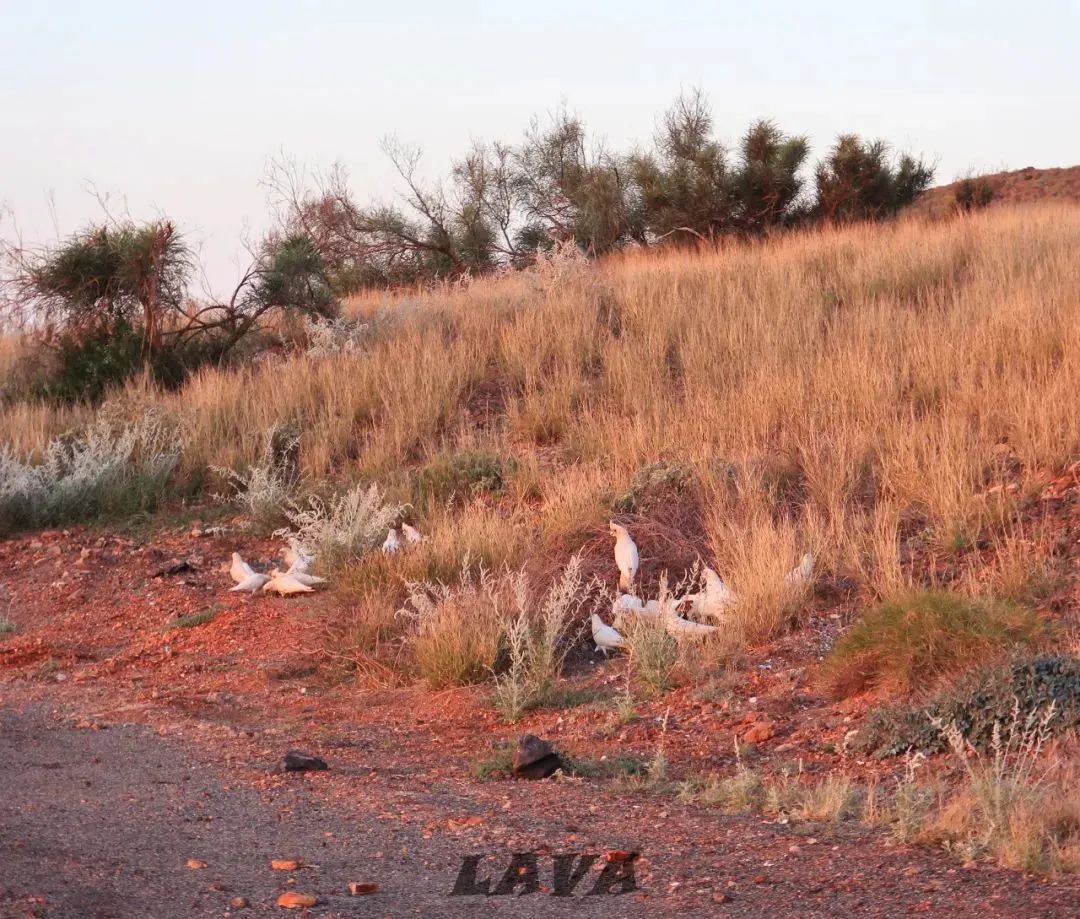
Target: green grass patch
x,y
915,642
192,620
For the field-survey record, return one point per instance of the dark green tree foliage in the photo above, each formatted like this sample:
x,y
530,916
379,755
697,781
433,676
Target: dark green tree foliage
x,y
685,187
108,274
767,184
860,180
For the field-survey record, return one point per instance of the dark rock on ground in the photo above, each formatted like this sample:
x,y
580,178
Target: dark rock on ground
x,y
295,761
535,758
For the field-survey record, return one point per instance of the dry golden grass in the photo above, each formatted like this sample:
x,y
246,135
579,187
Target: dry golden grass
x,y
832,390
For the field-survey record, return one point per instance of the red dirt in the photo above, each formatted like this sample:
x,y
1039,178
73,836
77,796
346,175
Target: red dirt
x,y
1022,186
93,636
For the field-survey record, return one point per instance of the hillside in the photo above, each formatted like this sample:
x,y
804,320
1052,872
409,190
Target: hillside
x,y
868,432
1021,186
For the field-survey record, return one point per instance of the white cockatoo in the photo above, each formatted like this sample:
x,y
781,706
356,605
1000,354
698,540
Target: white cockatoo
x,y
240,570
680,628
392,543
302,576
604,636
285,584
625,605
251,583
296,556
626,556
714,599
302,565
412,534
800,575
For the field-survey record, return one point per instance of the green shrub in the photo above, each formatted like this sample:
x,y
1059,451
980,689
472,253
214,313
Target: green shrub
x,y
911,643
459,477
653,484
973,194
992,695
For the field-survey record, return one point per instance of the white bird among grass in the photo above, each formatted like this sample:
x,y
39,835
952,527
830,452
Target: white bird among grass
x,y
626,556
412,534
285,585
252,583
302,576
240,570
714,599
392,543
604,636
801,573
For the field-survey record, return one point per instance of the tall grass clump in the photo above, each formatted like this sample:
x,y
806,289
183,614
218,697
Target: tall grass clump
x,y
342,528
914,642
457,632
110,469
1013,802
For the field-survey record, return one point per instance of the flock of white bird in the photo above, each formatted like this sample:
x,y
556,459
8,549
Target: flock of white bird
x,y
712,602
297,579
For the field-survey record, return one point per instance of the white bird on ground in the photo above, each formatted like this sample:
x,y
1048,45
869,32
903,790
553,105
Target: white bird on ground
x,y
800,574
680,628
626,556
251,583
302,576
714,599
391,544
285,584
604,636
302,565
625,605
240,570
412,534
295,554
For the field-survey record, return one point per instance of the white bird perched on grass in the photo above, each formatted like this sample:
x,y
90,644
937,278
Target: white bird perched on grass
x,y
240,570
800,574
285,584
251,583
412,534
302,576
626,556
391,544
604,636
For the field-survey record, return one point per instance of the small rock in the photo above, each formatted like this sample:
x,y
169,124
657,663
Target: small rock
x,y
721,898
357,889
296,761
293,900
759,731
535,758
285,864
176,566
239,902
53,551
194,864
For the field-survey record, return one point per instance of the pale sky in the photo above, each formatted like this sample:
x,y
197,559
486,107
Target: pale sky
x,y
176,108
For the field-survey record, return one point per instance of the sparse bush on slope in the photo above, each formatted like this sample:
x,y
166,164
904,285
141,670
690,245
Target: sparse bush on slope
x,y
342,528
105,471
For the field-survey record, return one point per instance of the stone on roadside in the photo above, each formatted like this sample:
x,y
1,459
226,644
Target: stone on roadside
x,y
535,758
294,900
297,761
